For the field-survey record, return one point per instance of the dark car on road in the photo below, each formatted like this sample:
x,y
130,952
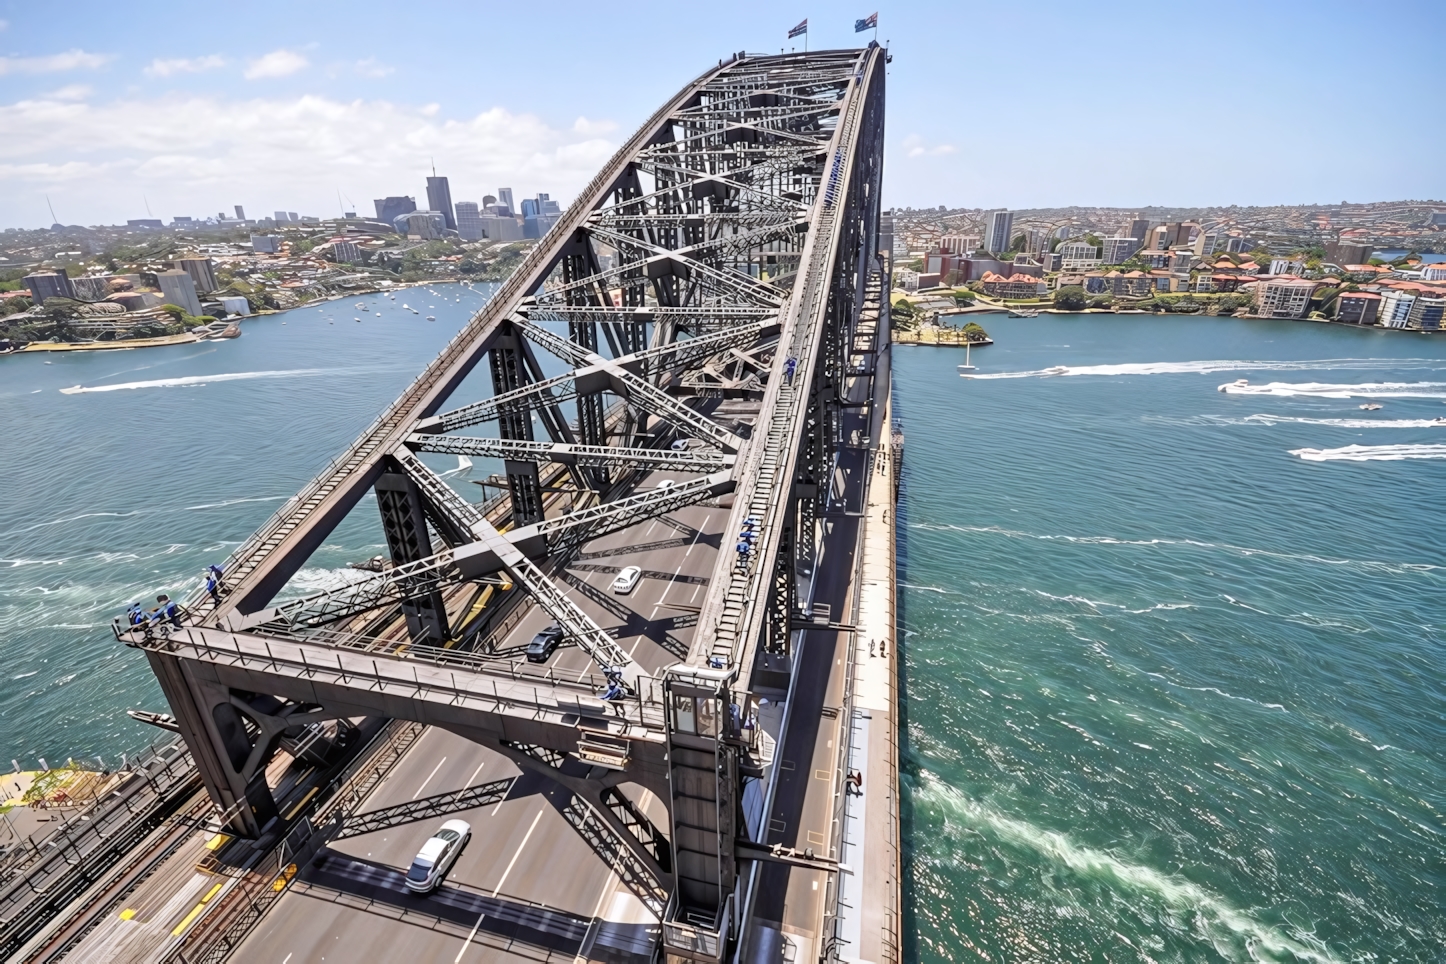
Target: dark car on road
x,y
542,645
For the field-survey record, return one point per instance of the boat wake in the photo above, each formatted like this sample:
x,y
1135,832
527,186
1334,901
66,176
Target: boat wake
x,y
188,380
1328,390
1372,453
1339,422
1207,367
1209,911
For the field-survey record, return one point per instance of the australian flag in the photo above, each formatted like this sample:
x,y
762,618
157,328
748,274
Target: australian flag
x,y
799,31
868,23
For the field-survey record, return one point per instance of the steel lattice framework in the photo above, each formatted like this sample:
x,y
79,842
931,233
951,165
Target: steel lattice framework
x,y
723,252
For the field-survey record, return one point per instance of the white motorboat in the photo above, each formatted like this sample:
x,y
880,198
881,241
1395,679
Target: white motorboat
x,y
1372,407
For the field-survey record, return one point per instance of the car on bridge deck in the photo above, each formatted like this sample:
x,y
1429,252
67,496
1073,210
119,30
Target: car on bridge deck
x,y
626,579
437,856
543,644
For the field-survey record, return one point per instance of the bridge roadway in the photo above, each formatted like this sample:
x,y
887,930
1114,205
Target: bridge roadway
x,y
524,853
753,192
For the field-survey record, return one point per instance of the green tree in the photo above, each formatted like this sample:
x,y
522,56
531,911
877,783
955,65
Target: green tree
x,y
963,298
974,333
1071,298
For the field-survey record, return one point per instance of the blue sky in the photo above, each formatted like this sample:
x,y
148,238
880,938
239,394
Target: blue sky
x,y
192,108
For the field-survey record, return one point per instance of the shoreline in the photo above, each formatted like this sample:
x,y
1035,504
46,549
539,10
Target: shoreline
x,y
186,337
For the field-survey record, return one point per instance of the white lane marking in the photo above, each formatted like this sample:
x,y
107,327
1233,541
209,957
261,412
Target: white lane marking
x,y
665,593
429,778
475,772
468,943
693,543
499,805
288,957
513,861
695,593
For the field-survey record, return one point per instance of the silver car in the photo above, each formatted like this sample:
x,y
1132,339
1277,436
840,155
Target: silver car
x,y
437,856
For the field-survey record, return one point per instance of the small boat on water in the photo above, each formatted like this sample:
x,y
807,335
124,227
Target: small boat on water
x,y
1372,407
431,318
1057,370
966,367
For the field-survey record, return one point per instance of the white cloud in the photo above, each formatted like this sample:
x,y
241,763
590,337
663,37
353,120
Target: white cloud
x,y
278,63
194,154
71,92
914,146
371,67
183,65
53,63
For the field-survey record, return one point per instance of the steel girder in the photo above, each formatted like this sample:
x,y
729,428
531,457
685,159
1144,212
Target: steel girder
x,y
607,456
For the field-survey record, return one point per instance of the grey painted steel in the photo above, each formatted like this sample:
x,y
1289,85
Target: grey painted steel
x,y
742,224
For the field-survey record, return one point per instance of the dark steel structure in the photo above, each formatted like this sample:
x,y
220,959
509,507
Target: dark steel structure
x,y
700,298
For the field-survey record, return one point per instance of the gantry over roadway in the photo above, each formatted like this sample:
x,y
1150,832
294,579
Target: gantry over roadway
x,y
724,255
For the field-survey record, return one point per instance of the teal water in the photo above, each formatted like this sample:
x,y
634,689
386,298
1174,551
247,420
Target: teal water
x,y
1175,693
168,460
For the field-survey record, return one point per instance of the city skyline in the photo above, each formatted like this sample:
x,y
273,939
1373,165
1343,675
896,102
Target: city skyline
x,y
111,112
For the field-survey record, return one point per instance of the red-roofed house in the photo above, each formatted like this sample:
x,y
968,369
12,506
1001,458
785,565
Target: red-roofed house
x,y
1015,286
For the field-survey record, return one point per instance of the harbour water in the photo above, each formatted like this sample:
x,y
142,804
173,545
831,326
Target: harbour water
x,y
128,472
1174,693
1175,686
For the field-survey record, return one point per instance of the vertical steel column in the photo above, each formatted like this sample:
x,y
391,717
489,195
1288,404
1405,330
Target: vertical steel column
x,y
515,422
405,524
215,733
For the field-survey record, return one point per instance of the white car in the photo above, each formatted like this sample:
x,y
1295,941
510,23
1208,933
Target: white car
x,y
626,579
680,445
437,856
666,484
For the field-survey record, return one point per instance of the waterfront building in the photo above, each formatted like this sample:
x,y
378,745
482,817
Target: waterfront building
x,y
235,305
1358,307
469,221
48,284
1118,250
202,272
178,289
1395,307
1015,286
439,198
996,236
391,208
1426,312
1078,256
1283,299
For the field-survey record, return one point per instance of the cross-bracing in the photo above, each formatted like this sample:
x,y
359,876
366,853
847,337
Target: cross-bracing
x,y
722,256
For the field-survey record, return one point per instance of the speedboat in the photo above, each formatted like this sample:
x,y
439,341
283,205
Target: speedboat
x,y
1372,407
1056,370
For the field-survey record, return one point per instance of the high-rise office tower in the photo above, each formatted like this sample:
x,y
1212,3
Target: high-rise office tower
x,y
439,198
240,213
202,272
469,221
504,199
996,237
